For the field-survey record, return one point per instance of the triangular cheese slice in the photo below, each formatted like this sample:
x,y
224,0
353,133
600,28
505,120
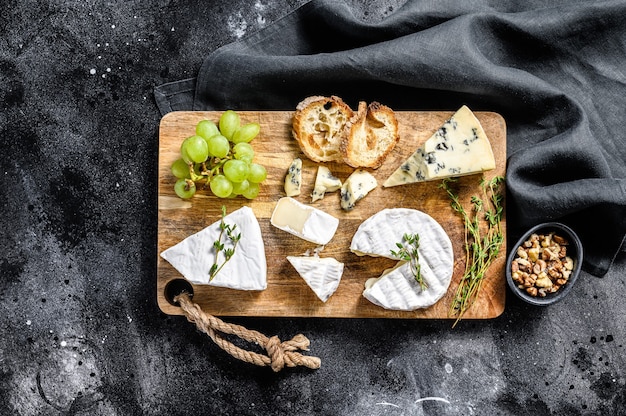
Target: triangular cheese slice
x,y
247,268
321,274
459,147
397,288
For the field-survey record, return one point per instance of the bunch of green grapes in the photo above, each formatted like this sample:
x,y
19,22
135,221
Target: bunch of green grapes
x,y
221,156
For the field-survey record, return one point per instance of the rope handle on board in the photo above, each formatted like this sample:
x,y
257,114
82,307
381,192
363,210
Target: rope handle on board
x,y
279,354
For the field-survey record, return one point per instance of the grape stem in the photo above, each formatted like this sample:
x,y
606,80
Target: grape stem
x,y
218,245
207,172
188,184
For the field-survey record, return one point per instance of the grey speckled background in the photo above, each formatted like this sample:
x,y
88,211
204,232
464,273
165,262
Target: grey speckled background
x,y
81,332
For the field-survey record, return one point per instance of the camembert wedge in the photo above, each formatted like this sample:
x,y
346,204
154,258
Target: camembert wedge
x,y
322,274
459,147
310,224
397,289
246,269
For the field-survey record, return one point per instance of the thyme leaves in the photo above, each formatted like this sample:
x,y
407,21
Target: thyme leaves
x,y
219,245
481,247
408,251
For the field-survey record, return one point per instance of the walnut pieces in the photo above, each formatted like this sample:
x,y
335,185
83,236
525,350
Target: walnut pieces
x,y
541,265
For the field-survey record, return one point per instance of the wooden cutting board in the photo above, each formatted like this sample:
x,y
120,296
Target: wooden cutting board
x,y
287,294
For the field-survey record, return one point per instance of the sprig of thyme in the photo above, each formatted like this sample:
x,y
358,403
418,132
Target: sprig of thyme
x,y
408,251
218,245
481,249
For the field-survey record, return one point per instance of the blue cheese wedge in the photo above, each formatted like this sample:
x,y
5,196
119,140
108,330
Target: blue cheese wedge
x,y
309,223
459,147
322,274
396,288
293,179
325,181
356,187
247,268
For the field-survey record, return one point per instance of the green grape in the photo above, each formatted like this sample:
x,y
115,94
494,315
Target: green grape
x,y
229,123
195,148
246,133
252,191
180,169
206,129
257,173
240,187
236,170
243,151
221,186
183,154
218,146
185,188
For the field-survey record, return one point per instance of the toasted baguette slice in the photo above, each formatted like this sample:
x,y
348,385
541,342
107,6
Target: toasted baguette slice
x,y
319,125
370,135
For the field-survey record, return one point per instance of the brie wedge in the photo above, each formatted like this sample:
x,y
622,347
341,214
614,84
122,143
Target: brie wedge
x,y
459,147
246,269
310,224
397,288
322,274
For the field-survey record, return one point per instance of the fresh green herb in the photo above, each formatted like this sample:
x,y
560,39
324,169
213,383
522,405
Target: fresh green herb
x,y
218,245
481,248
408,251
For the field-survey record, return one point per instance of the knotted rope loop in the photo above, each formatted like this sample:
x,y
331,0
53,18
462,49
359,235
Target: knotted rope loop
x,y
279,354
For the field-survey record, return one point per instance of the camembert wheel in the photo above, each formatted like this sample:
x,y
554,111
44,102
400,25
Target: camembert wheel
x,y
397,288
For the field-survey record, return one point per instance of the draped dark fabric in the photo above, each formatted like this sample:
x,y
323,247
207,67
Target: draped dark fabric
x,y
556,71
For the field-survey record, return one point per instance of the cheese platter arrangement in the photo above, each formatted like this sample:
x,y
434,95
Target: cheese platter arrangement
x,y
349,214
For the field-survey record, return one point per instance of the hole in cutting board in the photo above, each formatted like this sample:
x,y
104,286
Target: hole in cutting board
x,y
175,287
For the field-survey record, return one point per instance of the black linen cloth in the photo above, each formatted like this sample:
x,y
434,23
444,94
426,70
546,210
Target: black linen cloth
x,y
556,71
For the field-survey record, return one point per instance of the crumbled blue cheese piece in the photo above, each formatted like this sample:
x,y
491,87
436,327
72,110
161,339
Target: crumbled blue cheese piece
x,y
293,179
358,184
325,181
459,147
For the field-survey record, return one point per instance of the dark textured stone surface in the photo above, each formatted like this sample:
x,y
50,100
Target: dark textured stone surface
x,y
81,332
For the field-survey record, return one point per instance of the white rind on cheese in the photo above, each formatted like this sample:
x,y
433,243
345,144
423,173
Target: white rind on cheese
x,y
356,187
306,222
396,288
459,147
293,179
247,268
322,274
325,181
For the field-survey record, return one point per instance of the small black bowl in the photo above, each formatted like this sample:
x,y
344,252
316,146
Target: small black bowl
x,y
574,250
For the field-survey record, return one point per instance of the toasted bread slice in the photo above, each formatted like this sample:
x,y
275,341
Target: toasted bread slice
x,y
319,125
370,135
